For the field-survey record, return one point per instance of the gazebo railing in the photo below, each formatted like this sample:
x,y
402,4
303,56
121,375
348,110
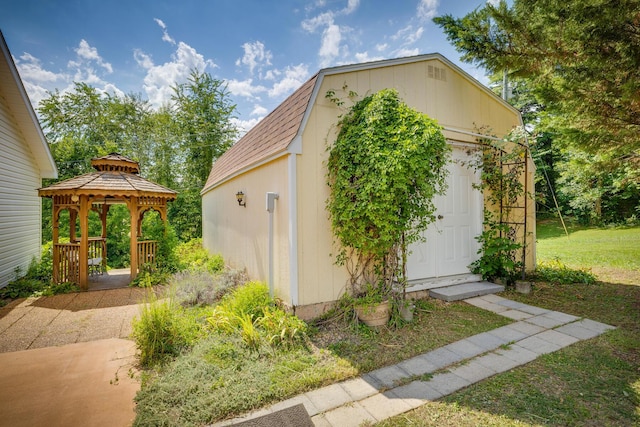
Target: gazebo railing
x,y
147,250
66,256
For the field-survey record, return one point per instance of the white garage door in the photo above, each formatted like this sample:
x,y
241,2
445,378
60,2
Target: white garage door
x,y
451,245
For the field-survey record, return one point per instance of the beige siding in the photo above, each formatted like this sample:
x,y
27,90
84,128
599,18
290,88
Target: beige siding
x,y
20,206
240,234
455,102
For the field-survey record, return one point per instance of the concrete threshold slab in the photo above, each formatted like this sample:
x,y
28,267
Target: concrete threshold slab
x,y
465,290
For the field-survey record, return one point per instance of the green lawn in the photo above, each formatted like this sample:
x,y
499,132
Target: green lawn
x,y
591,383
611,253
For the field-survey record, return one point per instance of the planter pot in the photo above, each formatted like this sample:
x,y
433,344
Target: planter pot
x,y
406,312
523,287
374,315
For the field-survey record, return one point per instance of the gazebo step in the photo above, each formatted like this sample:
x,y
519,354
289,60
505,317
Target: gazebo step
x,y
465,290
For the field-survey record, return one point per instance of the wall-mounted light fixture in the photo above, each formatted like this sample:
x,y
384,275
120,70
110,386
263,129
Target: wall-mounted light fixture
x,y
240,197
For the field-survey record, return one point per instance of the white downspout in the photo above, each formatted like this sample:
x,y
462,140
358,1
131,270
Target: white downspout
x,y
294,292
271,204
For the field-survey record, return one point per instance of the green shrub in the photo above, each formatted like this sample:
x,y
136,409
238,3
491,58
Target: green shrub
x,y
163,329
37,280
251,299
194,257
200,288
250,312
556,272
281,328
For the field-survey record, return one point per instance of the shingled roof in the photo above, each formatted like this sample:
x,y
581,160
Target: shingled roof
x,y
271,136
116,176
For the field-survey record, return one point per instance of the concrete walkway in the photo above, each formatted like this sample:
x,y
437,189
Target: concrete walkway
x,y
65,360
396,389
69,318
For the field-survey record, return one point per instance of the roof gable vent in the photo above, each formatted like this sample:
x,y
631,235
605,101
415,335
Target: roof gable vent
x,y
437,73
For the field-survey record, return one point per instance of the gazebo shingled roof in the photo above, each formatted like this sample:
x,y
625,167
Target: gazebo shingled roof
x,y
116,180
115,176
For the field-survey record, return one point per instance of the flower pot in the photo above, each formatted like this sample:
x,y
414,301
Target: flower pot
x,y
374,314
523,287
406,312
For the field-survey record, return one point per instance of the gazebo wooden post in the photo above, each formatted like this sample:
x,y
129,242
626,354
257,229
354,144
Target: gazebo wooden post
x,y
55,236
133,210
83,258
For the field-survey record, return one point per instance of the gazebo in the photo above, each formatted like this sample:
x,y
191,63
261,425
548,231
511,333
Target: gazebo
x,y
116,181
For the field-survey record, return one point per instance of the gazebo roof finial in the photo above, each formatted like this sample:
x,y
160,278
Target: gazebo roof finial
x,y
115,162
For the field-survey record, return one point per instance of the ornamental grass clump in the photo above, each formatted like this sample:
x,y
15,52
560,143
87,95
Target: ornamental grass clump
x,y
385,167
250,312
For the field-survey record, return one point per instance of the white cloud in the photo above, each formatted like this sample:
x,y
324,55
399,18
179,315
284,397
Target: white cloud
x,y
364,57
30,68
259,110
165,34
414,36
160,78
427,9
330,47
352,5
382,47
271,75
406,52
493,2
255,55
245,88
331,42
142,59
88,54
294,77
245,126
322,20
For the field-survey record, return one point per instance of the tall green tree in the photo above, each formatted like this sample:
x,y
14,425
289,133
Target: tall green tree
x,y
175,144
580,60
582,57
203,112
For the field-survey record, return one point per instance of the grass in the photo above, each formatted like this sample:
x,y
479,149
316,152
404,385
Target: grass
x,y
591,383
222,376
594,382
612,253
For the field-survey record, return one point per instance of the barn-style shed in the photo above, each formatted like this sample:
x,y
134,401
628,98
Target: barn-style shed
x,y
264,201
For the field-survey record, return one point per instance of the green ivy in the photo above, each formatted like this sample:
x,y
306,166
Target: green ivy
x,y
384,169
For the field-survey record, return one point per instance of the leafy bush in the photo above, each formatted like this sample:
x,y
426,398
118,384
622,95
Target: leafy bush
x,y
202,288
251,299
281,328
37,280
194,257
558,273
498,251
249,311
163,329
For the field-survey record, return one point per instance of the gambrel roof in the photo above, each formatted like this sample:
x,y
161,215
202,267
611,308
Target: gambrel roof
x,y
274,134
271,136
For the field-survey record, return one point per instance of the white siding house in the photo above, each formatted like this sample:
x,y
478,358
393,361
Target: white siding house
x,y
25,160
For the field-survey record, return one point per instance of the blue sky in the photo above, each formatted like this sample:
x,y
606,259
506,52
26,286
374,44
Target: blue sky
x,y
263,49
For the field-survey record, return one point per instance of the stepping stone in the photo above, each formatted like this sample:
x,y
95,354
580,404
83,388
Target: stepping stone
x,y
465,291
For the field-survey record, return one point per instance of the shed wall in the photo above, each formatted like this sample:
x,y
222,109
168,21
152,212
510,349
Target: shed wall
x,y
20,206
451,99
240,234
